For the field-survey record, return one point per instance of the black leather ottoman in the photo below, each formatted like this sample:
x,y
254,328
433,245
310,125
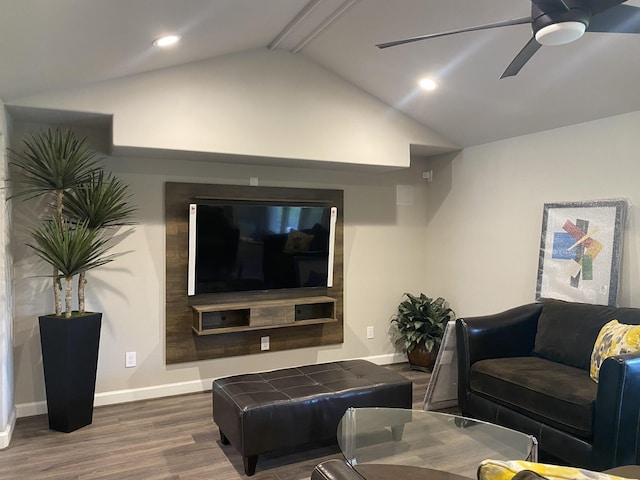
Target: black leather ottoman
x,y
263,412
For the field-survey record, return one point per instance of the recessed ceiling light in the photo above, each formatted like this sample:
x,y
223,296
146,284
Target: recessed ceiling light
x,y
427,84
166,40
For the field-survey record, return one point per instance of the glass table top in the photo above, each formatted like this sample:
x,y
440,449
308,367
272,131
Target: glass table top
x,y
418,438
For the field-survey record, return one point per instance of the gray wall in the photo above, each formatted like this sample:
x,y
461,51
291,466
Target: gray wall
x,y
485,209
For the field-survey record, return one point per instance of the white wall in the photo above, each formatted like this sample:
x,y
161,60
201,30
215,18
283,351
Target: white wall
x,y
486,203
7,410
265,103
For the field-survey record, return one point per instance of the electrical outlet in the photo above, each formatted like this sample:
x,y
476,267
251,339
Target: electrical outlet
x,y
253,181
130,359
370,332
264,343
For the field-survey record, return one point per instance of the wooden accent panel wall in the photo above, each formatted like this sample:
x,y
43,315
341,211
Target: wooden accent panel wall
x,y
184,346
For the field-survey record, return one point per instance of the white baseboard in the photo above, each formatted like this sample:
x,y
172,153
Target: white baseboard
x,y
388,359
5,436
168,390
156,391
124,396
31,409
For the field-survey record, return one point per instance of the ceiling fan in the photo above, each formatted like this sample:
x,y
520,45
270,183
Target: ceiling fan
x,y
556,22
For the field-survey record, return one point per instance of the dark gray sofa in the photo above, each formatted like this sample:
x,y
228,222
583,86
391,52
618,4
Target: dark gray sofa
x,y
528,369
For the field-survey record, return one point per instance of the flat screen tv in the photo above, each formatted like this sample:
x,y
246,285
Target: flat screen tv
x,y
238,246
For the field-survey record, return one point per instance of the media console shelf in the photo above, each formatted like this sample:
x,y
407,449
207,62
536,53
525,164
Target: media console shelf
x,y
224,318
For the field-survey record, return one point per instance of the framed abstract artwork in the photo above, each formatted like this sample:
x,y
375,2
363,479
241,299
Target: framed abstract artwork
x,y
580,251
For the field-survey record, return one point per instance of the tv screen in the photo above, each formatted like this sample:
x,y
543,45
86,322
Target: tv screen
x,y
244,246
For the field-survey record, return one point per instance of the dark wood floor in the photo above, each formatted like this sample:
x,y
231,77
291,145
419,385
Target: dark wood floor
x,y
168,438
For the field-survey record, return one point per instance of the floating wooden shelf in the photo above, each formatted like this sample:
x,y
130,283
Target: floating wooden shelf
x,y
221,318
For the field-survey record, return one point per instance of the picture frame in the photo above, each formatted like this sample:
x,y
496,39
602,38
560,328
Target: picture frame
x,y
580,251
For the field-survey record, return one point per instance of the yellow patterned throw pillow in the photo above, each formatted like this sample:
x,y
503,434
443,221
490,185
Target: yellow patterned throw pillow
x,y
614,339
505,470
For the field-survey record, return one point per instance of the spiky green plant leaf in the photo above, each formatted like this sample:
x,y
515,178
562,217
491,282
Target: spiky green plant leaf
x,y
71,249
73,242
54,160
102,201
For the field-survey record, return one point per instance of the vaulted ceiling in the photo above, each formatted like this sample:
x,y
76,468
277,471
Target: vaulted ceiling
x,y
59,44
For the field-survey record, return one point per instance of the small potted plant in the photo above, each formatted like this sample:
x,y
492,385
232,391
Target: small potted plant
x,y
83,204
419,327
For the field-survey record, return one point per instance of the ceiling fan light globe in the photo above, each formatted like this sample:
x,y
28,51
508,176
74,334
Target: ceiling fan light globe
x,y
560,33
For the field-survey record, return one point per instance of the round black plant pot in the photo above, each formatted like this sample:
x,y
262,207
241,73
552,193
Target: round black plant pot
x,y
70,360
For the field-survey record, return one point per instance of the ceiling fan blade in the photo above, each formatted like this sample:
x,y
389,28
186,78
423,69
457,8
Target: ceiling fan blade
x,y
550,5
506,23
523,57
597,6
620,19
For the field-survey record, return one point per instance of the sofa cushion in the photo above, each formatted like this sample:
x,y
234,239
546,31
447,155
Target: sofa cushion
x,y
567,331
614,339
507,470
552,393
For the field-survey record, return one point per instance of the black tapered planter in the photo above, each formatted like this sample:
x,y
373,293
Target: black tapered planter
x,y
70,360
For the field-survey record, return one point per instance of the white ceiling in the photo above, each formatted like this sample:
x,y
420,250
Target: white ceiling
x,y
47,45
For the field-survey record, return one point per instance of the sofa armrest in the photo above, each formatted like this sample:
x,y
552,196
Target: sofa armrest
x,y
616,434
510,333
506,334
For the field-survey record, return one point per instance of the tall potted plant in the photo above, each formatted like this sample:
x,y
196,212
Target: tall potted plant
x,y
419,327
73,237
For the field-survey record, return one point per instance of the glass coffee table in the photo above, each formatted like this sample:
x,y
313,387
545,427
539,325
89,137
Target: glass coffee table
x,y
383,443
